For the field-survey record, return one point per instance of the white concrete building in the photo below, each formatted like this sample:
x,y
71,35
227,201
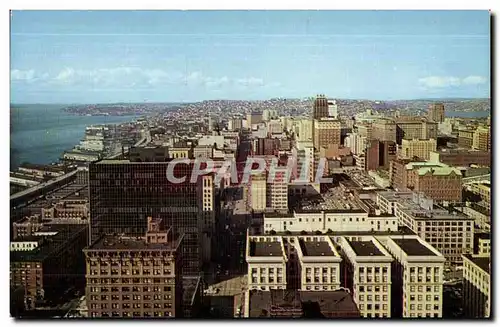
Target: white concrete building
x,y
419,272
266,260
319,263
340,220
369,264
477,286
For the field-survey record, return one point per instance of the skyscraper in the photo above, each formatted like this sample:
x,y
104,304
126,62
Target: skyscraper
x,y
436,112
123,194
320,108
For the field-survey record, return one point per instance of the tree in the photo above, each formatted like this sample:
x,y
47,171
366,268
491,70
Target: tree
x,y
303,232
273,232
318,232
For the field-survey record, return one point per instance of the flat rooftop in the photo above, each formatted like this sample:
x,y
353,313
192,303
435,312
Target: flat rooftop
x,y
52,245
265,249
413,247
365,248
315,249
110,242
481,262
301,304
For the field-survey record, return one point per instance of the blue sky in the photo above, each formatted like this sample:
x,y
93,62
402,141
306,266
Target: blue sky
x,y
111,56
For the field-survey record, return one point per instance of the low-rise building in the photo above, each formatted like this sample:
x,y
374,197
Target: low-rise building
x,y
51,263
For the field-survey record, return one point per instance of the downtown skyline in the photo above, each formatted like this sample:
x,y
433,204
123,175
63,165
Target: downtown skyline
x,y
183,56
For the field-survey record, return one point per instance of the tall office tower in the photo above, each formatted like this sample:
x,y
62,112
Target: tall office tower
x,y
277,189
481,139
465,137
477,286
206,197
211,122
417,278
258,192
387,153
365,129
384,130
372,155
326,132
155,256
305,130
266,115
332,109
123,194
320,108
415,128
436,112
253,118
418,148
369,264
235,124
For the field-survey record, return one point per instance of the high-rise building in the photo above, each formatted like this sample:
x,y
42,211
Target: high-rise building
x,y
235,124
481,140
384,130
332,109
415,128
387,153
326,132
477,286
436,112
417,278
320,107
123,194
368,266
258,192
418,148
145,275
277,189
253,118
432,223
466,137
305,130
372,155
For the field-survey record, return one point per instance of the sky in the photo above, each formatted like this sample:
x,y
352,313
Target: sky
x,y
177,56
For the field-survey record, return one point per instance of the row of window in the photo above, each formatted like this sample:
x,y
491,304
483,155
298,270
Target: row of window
x,y
130,289
136,297
131,305
133,263
128,272
133,314
362,288
128,280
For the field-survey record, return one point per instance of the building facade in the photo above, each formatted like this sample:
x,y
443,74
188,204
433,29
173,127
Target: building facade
x,y
132,277
418,148
123,194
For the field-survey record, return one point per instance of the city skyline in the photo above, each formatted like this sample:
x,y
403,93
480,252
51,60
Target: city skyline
x,y
183,56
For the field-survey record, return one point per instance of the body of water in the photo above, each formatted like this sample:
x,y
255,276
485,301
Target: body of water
x,y
40,133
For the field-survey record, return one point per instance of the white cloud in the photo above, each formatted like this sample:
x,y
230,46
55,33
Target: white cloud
x,y
450,81
130,77
22,75
474,80
251,82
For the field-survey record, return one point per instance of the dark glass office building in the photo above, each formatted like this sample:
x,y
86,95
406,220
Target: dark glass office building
x,y
123,194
